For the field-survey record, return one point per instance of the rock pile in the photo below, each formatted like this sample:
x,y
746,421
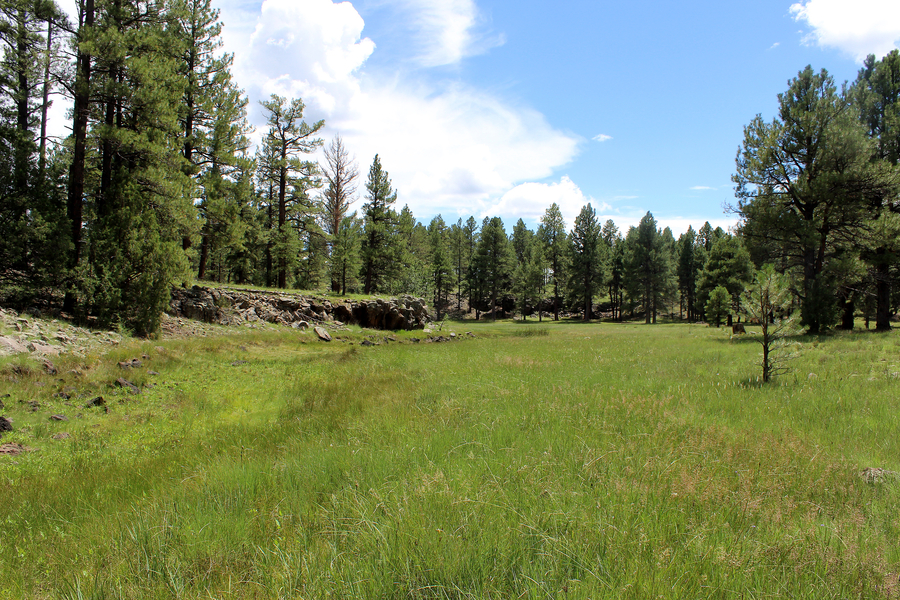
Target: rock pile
x,y
235,307
21,333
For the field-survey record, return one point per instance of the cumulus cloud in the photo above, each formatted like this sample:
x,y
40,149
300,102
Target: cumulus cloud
x,y
858,28
602,138
309,49
447,146
529,201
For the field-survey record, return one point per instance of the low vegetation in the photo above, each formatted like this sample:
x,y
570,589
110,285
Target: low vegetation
x,y
525,460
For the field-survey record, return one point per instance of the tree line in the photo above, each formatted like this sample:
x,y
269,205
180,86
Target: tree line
x,y
157,185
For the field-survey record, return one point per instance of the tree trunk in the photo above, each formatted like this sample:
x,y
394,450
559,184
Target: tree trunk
x,y
882,295
369,277
282,217
204,252
847,314
647,308
104,200
555,296
811,317
42,151
269,243
80,112
587,300
22,147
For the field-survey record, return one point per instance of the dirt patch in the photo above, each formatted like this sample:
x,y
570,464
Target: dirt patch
x,y
877,475
14,449
179,328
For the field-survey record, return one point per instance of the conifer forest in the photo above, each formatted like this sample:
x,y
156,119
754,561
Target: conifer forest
x,y
157,184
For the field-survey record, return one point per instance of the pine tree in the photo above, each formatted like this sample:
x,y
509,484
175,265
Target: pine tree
x,y
806,182
648,266
614,265
32,220
718,305
688,272
81,109
139,212
491,265
345,259
767,301
441,264
460,257
214,129
224,209
529,277
410,273
312,266
379,222
520,240
586,274
616,277
552,233
728,265
471,237
876,93
265,207
288,137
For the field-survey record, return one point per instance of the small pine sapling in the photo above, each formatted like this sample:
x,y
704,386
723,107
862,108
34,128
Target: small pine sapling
x,y
767,302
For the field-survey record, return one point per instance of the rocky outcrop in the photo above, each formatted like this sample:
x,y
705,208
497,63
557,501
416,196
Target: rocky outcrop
x,y
41,338
234,307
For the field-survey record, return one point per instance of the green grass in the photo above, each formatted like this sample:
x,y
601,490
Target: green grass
x,y
541,460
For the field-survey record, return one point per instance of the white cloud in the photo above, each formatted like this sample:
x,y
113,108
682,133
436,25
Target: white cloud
x,y
310,49
448,147
702,187
529,201
775,45
445,32
602,138
678,225
858,28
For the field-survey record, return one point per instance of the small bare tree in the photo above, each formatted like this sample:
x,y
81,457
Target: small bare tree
x,y
340,173
767,301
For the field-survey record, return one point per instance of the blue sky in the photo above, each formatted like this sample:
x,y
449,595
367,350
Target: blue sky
x,y
495,107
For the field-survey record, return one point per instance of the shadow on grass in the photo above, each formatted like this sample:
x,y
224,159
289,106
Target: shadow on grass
x,y
754,382
753,336
532,331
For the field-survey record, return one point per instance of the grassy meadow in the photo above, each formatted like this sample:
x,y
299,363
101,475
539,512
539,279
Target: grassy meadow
x,y
554,460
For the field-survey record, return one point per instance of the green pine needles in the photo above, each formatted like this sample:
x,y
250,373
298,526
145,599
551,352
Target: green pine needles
x,y
768,303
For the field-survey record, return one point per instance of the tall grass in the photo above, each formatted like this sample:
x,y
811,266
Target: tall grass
x,y
583,461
